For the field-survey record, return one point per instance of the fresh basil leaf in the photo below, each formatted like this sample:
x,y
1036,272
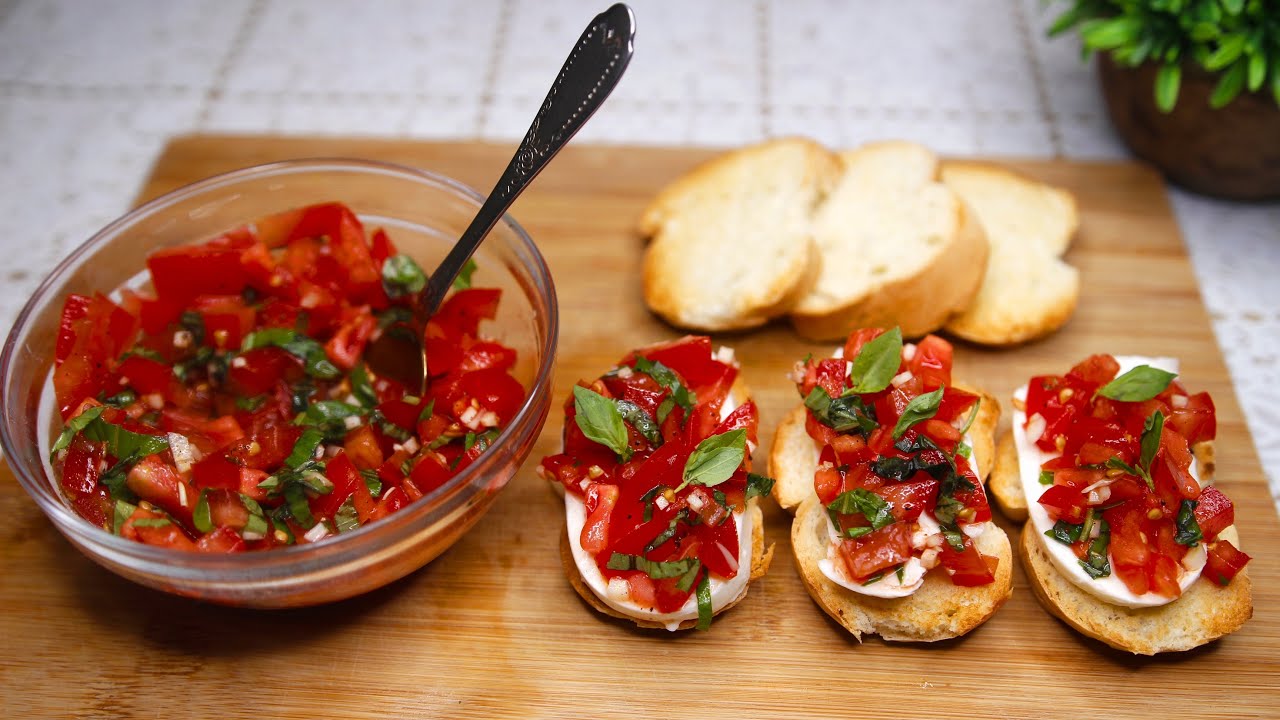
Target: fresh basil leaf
x,y
667,378
964,451
75,425
152,522
201,516
860,500
257,524
921,408
329,417
1046,477
305,448
647,500
463,281
666,534
1096,563
401,276
1150,443
428,411
1189,532
948,507
875,578
954,537
114,480
636,417
664,409
123,443
346,519
362,387
251,404
857,532
652,568
372,481
716,459
122,399
705,611
877,363
685,584
973,415
842,414
122,512
901,572
296,500
1141,383
1065,532
312,353
600,421
757,486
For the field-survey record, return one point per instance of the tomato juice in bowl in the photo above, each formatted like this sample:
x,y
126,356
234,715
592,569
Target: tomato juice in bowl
x,y
423,214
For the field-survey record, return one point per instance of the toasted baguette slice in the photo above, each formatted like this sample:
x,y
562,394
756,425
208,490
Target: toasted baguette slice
x,y
732,245
898,247
1205,612
761,557
1028,291
939,610
793,458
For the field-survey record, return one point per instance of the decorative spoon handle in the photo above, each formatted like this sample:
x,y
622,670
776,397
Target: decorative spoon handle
x,y
589,74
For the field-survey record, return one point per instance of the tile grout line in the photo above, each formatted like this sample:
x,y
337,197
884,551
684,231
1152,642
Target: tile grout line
x,y
238,42
766,90
488,89
1037,73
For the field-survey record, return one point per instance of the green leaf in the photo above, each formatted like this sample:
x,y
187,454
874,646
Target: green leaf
x,y
201,517
362,387
857,532
716,459
1230,47
643,422
600,421
1275,77
152,522
973,415
1168,82
346,519
1257,72
842,414
964,451
257,524
1233,7
705,611
1110,33
667,533
758,485
192,322
121,399
372,481
251,404
1046,477
870,505
1096,563
401,276
921,408
667,378
1066,20
652,568
1141,383
312,353
1065,532
329,417
296,500
1229,86
1189,532
877,363
75,425
123,443
954,537
1150,443
463,281
123,511
1115,463
686,581
305,448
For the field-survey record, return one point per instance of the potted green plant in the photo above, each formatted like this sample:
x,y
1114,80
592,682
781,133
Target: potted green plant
x,y
1193,86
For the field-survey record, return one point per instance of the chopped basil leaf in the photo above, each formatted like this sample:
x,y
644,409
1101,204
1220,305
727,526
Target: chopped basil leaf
x,y
964,451
143,352
921,408
857,532
362,387
1189,532
305,448
193,322
372,481
280,527
296,500
123,511
114,480
251,404
666,534
1096,562
1065,532
901,572
201,517
877,363
954,537
123,443
757,486
870,505
716,459
973,415
401,276
329,416
723,499
463,281
647,500
1046,477
346,518
842,414
75,425
705,611
428,410
1150,443
636,417
685,584
664,409
152,522
1141,383
654,569
122,398
948,506
600,421
875,578
667,378
257,522
312,353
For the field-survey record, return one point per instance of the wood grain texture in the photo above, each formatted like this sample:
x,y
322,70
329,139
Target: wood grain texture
x,y
492,628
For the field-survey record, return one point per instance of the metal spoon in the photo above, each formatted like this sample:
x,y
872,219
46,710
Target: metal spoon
x,y
590,73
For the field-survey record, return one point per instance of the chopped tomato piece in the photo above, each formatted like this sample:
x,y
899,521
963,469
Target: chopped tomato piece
x,y
599,500
876,551
1224,562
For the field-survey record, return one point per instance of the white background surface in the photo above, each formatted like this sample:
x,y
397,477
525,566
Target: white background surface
x,y
90,90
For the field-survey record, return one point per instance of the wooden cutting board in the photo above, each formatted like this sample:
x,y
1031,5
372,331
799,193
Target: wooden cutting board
x,y
492,628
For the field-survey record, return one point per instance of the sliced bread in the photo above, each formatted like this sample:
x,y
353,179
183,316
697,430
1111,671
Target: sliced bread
x,y
898,247
1028,291
731,240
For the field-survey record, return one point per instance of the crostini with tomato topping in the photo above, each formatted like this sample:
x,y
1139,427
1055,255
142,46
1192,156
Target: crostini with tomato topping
x,y
1126,540
662,523
883,465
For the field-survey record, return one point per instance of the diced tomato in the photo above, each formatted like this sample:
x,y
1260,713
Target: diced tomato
x,y
1196,419
158,482
876,551
226,509
258,371
830,376
1064,502
1130,553
221,540
931,362
944,433
859,338
495,390
347,345
599,501
75,308
909,499
968,568
381,247
392,500
216,471
227,319
250,479
1214,512
1095,370
80,467
156,530
186,271
100,337
207,434
346,480
485,355
463,310
642,590
435,469
362,447
827,483
1224,562
145,375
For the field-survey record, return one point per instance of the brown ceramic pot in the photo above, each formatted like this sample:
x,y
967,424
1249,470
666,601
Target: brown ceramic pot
x,y
1233,152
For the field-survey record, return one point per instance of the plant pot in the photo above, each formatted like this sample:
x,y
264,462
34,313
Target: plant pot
x,y
1232,152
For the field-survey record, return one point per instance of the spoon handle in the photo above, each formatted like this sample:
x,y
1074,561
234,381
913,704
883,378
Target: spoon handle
x,y
589,74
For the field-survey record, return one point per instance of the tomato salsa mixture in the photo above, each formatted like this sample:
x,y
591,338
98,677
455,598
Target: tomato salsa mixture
x,y
893,463
660,455
229,409
1120,486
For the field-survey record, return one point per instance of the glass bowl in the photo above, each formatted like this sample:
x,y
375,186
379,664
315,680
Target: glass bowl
x,y
424,213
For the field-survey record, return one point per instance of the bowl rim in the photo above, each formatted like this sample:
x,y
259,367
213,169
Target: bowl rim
x,y
334,548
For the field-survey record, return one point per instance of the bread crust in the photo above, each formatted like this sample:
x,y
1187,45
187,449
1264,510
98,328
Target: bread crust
x,y
761,557
939,610
1204,613
1006,480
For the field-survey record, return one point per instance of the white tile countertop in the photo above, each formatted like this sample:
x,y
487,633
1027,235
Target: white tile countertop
x,y
90,91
